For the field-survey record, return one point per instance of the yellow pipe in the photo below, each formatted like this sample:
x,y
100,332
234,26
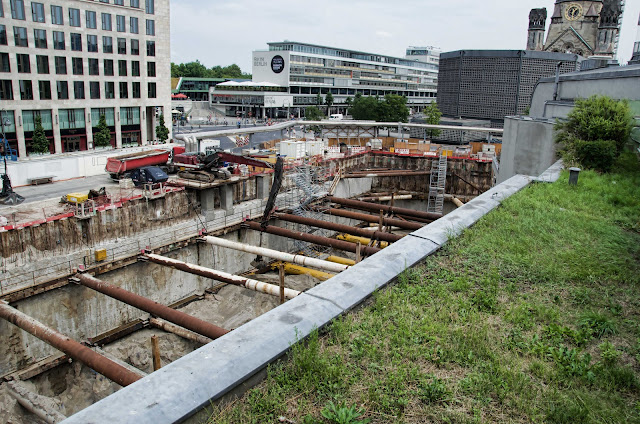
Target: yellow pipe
x,y
339,260
300,270
362,240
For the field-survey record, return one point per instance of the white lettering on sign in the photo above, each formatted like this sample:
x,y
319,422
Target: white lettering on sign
x,y
402,151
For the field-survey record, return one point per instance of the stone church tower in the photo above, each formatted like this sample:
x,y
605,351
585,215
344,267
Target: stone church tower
x,y
587,28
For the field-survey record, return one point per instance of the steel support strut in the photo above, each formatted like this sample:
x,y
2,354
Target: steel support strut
x,y
390,222
248,283
374,207
376,235
310,238
177,317
72,348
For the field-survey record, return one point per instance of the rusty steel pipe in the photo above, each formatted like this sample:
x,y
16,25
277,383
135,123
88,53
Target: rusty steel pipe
x,y
390,222
310,238
376,235
72,348
177,317
374,207
236,280
179,331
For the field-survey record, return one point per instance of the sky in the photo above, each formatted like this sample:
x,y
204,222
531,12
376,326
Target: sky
x,y
222,32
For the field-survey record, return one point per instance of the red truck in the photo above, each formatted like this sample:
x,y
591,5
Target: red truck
x,y
120,166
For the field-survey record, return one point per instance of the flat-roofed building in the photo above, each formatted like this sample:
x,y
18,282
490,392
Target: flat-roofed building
x,y
71,61
290,76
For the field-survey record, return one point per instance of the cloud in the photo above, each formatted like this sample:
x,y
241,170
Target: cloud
x,y
384,34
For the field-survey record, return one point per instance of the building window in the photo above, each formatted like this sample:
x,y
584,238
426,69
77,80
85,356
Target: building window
x,y
151,48
24,66
40,38
120,23
37,11
135,47
135,3
6,90
109,90
151,69
108,67
17,9
92,20
78,90
61,65
133,25
151,90
57,16
106,21
5,66
70,119
118,2
108,113
76,42
45,90
135,90
149,6
94,89
58,40
151,27
92,43
122,46
1,10
124,92
135,68
122,68
74,17
63,90
107,44
20,37
130,115
42,63
94,67
76,66
26,90
3,35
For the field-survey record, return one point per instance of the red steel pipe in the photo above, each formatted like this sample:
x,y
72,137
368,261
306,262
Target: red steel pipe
x,y
356,204
177,317
310,238
376,235
390,222
113,371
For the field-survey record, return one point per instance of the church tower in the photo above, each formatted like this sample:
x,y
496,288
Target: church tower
x,y
537,25
574,27
609,28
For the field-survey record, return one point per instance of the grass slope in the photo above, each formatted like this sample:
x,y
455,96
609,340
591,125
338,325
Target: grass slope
x,y
531,316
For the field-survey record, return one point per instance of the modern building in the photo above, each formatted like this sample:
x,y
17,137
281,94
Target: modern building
x,y
290,76
491,84
424,54
71,61
197,89
586,28
635,59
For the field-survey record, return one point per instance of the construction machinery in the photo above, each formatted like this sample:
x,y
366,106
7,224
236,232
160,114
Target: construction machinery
x,y
208,167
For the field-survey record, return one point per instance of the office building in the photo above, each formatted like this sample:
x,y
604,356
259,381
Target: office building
x,y
635,59
491,84
290,75
71,61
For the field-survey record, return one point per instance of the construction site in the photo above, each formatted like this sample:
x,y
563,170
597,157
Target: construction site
x,y
102,292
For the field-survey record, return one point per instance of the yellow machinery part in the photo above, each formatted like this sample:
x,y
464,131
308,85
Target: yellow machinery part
x,y
362,240
101,255
340,260
77,197
300,270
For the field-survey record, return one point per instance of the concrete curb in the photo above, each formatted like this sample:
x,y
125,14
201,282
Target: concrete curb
x,y
186,386
552,174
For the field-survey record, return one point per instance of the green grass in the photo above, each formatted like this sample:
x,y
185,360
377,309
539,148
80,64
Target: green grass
x,y
530,316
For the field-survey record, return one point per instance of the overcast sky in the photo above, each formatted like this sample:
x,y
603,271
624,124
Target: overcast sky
x,y
222,32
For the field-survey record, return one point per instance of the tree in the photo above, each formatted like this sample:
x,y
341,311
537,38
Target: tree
x,y
595,132
313,113
319,99
329,102
39,142
432,114
102,137
394,109
365,108
198,70
162,132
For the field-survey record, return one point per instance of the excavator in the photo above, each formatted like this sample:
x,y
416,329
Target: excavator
x,y
208,167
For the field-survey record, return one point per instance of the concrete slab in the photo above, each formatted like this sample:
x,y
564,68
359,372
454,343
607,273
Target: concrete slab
x,y
552,174
185,386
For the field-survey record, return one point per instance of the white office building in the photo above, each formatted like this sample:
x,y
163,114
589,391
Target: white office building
x,y
71,61
290,76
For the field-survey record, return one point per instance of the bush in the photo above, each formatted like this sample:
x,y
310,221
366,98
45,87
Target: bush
x,y
599,155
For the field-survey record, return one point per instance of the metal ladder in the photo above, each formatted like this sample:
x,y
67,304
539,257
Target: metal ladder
x,y
437,182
